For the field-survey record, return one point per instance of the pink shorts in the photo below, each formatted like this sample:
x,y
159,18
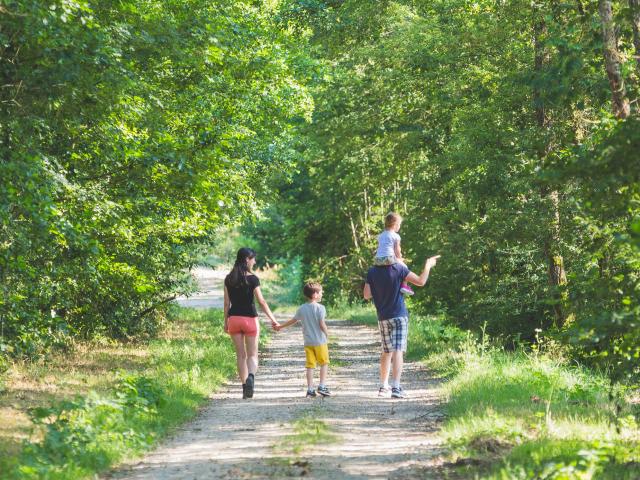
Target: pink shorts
x,y
245,325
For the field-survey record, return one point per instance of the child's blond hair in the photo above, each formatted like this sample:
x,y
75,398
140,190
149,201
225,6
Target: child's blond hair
x,y
392,219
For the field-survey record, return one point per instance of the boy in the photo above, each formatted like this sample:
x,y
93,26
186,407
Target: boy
x,y
314,330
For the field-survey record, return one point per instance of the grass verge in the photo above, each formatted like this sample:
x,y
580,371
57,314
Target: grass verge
x,y
75,415
523,414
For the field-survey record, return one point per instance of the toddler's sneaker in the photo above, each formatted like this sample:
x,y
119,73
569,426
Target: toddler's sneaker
x,y
324,391
384,392
406,289
398,392
311,393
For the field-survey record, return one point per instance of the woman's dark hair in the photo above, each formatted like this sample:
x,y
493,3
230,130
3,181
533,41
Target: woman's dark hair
x,y
238,275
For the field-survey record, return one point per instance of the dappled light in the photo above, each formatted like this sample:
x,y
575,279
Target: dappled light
x,y
451,184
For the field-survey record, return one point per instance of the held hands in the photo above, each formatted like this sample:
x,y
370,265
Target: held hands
x,y
431,261
275,326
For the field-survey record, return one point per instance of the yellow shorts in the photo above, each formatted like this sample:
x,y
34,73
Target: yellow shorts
x,y
317,354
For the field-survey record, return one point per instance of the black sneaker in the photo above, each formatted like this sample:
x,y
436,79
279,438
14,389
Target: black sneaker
x,y
324,391
311,394
398,392
250,383
244,391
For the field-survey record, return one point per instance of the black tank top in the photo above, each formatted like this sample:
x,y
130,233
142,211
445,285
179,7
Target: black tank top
x,y
241,297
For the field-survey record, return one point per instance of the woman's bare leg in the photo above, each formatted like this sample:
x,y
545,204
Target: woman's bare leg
x,y
251,344
241,356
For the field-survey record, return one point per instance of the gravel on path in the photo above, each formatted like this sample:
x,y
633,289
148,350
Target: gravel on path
x,y
372,437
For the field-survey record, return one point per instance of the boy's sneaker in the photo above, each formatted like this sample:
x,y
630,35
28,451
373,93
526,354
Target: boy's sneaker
x,y
406,289
384,392
250,383
398,392
311,393
324,391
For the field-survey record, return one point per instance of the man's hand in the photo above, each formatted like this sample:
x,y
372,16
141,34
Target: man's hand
x,y
431,261
422,278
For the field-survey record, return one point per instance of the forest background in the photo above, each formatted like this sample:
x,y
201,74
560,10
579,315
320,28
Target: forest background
x,y
506,133
133,135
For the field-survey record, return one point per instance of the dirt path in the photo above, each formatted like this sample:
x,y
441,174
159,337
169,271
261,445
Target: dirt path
x,y
248,439
211,290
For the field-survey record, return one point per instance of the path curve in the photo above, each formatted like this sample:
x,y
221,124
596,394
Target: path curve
x,y
247,439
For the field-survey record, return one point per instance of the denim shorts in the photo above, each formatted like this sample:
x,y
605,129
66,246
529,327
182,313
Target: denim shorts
x,y
384,261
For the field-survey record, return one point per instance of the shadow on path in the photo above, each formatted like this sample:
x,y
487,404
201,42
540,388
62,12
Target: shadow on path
x,y
246,439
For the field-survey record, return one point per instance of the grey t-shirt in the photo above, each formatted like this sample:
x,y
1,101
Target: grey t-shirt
x,y
309,315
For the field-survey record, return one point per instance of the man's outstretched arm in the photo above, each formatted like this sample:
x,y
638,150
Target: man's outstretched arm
x,y
421,279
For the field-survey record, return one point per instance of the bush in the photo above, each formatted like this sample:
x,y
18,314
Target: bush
x,y
88,434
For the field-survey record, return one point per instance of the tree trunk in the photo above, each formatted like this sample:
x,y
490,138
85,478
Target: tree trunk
x,y
354,232
556,274
541,58
620,102
634,6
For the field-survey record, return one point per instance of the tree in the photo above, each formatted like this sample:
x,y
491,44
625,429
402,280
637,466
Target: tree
x,y
131,132
620,103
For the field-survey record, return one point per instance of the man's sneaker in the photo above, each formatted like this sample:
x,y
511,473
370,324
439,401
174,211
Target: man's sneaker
x,y
398,392
250,384
324,391
384,392
311,393
406,289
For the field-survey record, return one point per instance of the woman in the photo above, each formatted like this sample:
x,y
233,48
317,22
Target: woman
x,y
241,287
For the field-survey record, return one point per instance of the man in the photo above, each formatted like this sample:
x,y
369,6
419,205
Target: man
x,y
383,285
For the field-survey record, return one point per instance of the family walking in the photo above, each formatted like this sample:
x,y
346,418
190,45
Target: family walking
x,y
387,283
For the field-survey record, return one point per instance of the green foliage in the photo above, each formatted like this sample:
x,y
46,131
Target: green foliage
x,y
568,460
83,436
87,435
502,165
129,132
353,311
230,240
433,334
290,282
534,415
606,287
523,414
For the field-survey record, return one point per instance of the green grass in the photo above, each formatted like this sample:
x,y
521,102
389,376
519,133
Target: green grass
x,y
141,402
528,415
307,431
354,312
521,414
